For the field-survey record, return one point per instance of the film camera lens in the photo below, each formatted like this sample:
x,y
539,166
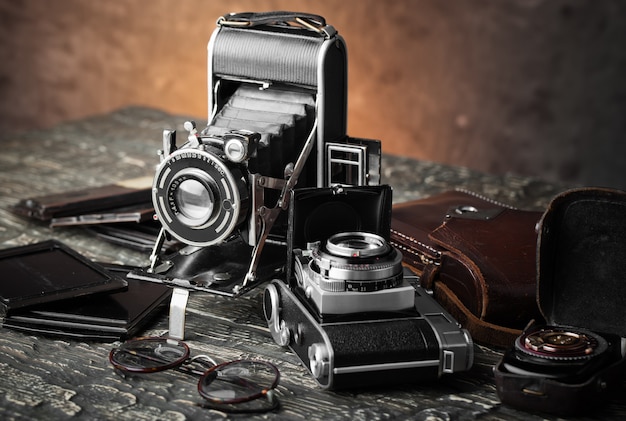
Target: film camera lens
x,y
353,272
195,200
356,261
357,244
199,196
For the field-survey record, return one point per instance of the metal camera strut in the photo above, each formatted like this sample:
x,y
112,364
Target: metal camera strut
x,y
268,215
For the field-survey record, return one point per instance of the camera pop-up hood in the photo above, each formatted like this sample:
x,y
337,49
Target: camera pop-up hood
x,y
315,214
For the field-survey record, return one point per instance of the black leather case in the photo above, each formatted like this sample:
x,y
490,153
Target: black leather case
x,y
581,262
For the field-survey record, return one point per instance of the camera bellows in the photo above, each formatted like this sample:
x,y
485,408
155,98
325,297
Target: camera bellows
x,y
283,118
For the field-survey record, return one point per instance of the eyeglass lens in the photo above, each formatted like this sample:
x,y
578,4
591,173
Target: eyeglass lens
x,y
146,355
238,381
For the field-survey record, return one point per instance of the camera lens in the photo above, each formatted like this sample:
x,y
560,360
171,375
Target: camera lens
x,y
356,261
194,200
199,197
357,244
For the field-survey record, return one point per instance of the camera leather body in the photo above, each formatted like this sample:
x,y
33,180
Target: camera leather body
x,y
478,257
572,363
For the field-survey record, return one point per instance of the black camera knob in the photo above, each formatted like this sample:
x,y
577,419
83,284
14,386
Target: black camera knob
x,y
319,360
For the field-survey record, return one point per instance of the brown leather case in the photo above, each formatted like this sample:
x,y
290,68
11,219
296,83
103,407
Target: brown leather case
x,y
478,257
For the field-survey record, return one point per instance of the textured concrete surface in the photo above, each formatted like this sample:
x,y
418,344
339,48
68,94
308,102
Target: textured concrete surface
x,y
531,87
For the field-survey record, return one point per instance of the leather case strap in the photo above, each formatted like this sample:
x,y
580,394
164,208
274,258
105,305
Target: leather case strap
x,y
309,21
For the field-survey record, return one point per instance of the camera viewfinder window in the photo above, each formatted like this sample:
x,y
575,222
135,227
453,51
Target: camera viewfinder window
x,y
346,164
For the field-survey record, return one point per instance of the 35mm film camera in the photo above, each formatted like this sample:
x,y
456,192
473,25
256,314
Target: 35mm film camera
x,y
348,308
277,101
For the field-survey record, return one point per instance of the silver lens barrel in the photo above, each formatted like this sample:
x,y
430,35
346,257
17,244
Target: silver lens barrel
x,y
356,261
357,244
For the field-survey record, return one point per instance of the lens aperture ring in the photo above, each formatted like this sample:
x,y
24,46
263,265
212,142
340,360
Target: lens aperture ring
x,y
330,283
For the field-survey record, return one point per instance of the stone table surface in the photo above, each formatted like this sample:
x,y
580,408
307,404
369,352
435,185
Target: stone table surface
x,y
58,378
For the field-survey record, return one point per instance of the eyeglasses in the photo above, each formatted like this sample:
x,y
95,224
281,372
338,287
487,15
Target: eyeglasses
x,y
234,386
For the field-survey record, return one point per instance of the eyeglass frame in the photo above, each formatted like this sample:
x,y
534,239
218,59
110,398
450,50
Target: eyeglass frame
x,y
186,357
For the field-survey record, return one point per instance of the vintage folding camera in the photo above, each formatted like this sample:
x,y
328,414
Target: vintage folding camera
x,y
347,307
575,361
277,101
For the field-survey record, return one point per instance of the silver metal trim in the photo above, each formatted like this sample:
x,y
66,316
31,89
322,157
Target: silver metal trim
x,y
321,150
178,307
210,81
386,366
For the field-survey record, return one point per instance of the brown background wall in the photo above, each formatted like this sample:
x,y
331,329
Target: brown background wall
x,y
525,86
